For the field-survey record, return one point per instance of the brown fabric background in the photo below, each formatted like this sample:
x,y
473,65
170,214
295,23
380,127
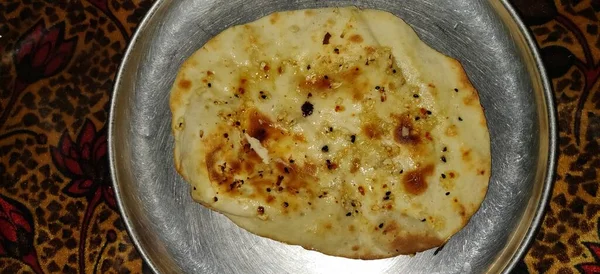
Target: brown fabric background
x,y
58,62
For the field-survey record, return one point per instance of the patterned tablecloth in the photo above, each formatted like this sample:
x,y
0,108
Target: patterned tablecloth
x,y
58,62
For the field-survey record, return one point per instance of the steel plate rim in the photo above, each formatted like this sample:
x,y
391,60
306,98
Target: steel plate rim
x,y
110,140
552,142
549,107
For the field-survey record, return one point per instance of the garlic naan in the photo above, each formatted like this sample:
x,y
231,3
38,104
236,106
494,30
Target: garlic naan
x,y
336,129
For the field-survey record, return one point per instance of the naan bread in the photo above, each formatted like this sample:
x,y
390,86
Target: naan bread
x,y
335,129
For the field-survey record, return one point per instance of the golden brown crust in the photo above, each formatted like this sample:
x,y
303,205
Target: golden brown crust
x,y
415,181
341,133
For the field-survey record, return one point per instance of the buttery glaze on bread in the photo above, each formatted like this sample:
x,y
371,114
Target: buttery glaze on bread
x,y
336,129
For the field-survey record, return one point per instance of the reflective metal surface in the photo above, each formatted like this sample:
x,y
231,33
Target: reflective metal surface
x,y
174,234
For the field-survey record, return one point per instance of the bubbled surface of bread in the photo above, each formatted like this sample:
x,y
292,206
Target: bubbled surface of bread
x,y
336,129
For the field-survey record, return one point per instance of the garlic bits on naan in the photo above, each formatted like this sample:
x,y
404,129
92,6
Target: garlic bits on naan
x,y
335,129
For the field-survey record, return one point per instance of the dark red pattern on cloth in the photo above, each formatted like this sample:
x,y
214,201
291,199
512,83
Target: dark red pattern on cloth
x,y
58,211
85,163
16,233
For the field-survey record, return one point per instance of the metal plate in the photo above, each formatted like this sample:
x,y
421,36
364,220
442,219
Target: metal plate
x,y
174,234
